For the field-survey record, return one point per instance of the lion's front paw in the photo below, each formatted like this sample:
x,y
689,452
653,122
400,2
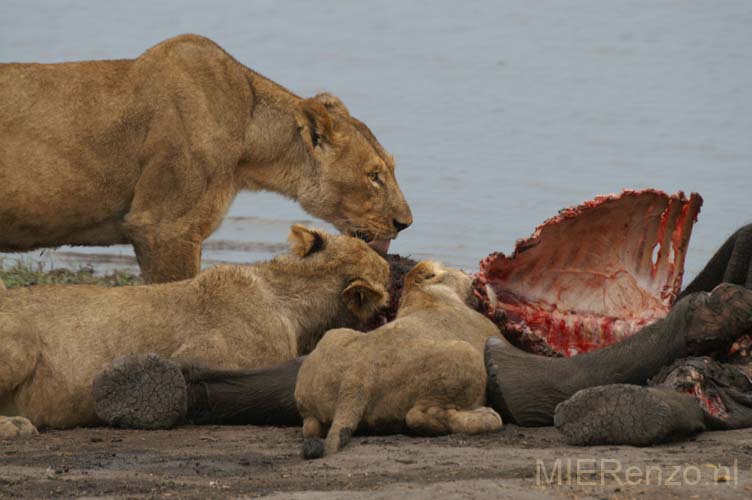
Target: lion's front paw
x,y
11,427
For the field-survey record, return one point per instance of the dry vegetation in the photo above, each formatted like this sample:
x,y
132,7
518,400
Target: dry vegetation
x,y
25,273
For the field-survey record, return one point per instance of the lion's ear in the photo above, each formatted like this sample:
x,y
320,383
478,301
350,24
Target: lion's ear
x,y
305,241
423,271
332,103
364,299
315,124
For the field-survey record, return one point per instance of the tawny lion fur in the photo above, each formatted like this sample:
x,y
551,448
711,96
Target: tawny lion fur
x,y
423,372
151,151
55,339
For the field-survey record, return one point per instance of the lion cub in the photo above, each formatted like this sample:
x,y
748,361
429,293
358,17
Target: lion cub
x,y
424,371
55,339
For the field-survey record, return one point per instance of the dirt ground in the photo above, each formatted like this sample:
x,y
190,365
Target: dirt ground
x,y
251,462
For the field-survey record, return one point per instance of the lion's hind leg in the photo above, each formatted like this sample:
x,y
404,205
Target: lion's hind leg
x,y
313,444
451,392
351,406
19,351
345,422
434,420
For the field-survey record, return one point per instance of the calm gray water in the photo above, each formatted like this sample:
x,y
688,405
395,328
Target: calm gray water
x,y
499,113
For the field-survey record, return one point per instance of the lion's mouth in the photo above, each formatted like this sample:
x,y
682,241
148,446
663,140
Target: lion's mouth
x,y
380,245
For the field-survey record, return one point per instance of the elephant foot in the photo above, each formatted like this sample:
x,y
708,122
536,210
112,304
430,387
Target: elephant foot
x,y
13,427
141,391
719,317
627,414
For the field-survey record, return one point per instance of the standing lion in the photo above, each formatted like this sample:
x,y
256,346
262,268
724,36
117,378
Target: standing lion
x,y
151,151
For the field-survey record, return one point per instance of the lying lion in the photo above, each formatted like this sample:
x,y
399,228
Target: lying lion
x,y
594,398
54,339
424,371
152,151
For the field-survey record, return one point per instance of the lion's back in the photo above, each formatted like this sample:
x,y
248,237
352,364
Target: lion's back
x,y
74,136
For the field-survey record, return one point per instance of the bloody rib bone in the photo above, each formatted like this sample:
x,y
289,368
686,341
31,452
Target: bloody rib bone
x,y
595,273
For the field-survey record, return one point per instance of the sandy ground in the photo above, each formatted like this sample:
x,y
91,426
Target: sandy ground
x,y
251,462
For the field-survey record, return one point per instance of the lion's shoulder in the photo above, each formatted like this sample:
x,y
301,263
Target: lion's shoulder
x,y
195,54
185,42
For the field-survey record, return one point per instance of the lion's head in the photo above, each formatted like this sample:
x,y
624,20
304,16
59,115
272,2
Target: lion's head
x,y
363,273
433,276
353,185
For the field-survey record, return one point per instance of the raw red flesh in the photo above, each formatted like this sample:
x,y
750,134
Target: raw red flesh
x,y
710,382
692,382
595,273
740,355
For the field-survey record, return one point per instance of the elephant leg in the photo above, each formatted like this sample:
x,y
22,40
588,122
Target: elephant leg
x,y
627,414
717,318
149,392
685,397
141,391
263,396
525,388
732,263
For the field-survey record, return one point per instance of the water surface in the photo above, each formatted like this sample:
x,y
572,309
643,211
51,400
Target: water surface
x,y
499,113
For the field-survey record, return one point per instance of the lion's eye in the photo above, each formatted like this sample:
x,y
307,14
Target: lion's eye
x,y
374,177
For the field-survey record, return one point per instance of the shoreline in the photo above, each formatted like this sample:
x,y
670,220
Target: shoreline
x,y
252,462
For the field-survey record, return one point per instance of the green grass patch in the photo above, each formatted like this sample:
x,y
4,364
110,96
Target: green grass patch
x,y
34,273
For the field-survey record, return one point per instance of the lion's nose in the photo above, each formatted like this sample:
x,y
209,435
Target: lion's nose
x,y
401,225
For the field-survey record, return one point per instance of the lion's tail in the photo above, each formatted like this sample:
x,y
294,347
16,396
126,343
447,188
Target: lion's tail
x,y
2,285
265,396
